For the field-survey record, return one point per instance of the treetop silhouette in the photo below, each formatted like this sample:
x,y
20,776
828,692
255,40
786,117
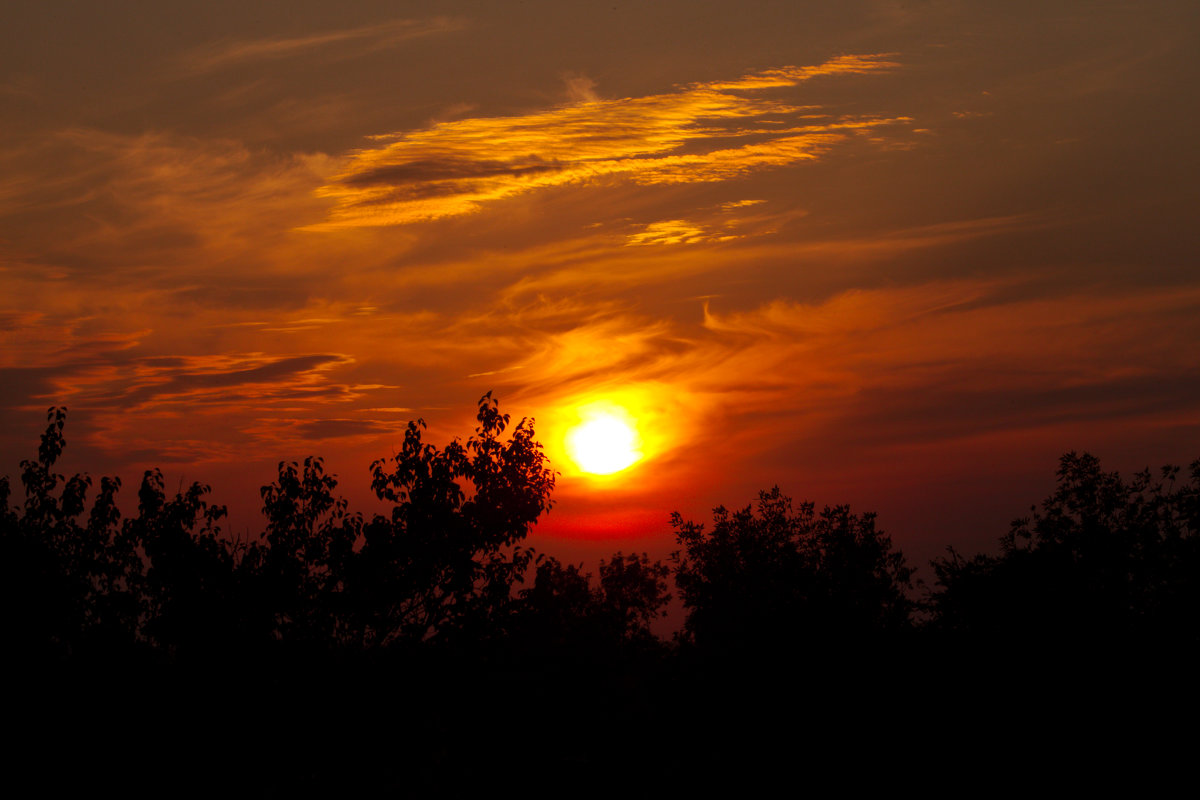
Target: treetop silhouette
x,y
445,562
453,556
1101,560
771,576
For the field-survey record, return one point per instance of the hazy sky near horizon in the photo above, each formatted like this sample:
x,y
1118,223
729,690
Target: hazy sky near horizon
x,y
897,254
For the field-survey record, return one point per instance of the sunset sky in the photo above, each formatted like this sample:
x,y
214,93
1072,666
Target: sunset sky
x,y
900,255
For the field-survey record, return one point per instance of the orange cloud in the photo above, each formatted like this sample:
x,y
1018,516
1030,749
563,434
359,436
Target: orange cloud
x,y
453,167
676,231
880,367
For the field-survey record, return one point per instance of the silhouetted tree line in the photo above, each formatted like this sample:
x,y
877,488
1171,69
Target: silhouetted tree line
x,y
442,594
1101,558
445,570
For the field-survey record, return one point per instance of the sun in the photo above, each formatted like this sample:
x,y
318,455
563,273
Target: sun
x,y
604,442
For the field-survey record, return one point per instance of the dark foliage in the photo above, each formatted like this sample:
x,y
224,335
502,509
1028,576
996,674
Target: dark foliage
x,y
300,571
71,585
430,650
774,578
445,563
566,614
1104,560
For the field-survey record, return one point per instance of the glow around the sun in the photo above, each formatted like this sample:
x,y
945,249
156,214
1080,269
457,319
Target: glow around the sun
x,y
605,440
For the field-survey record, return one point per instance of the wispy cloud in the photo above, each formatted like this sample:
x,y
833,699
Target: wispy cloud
x,y
702,132
888,366
676,231
226,54
128,383
116,208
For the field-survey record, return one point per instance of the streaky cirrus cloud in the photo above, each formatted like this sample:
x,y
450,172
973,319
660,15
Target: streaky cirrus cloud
x,y
702,132
343,43
115,377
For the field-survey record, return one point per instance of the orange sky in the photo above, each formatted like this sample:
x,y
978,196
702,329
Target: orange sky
x,y
896,254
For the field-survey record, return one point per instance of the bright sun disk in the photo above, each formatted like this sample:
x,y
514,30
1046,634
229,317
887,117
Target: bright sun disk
x,y
603,444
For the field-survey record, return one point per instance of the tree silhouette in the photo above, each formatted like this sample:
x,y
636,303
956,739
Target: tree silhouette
x,y
1102,560
69,588
196,601
774,579
566,614
43,600
445,564
302,568
446,560
633,592
449,625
